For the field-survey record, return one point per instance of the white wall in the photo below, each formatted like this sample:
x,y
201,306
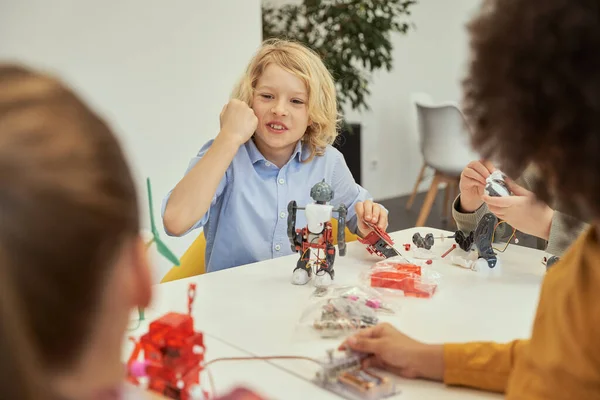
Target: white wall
x,y
431,59
159,71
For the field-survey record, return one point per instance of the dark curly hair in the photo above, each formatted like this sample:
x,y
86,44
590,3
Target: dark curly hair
x,y
532,95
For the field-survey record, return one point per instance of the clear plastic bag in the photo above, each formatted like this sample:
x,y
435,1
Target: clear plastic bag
x,y
395,275
335,312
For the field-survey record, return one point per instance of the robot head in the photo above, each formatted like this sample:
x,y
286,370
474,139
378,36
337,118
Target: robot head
x,y
321,192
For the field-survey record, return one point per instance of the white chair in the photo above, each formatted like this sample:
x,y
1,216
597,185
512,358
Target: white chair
x,y
445,148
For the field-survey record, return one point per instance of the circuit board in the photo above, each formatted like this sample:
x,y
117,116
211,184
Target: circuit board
x,y
344,375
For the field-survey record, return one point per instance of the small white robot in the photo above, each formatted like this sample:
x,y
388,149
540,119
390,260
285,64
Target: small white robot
x,y
316,235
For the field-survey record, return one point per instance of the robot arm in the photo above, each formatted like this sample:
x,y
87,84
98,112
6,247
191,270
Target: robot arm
x,y
292,234
342,212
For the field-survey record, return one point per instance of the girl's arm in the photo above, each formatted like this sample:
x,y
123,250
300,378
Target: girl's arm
x,y
193,195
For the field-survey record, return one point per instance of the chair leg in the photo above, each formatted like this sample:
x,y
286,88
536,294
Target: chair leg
x,y
446,205
429,199
414,192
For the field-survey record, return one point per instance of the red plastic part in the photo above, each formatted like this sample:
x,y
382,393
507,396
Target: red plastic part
x,y
405,277
173,354
373,237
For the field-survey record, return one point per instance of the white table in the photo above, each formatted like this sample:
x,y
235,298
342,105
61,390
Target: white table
x,y
256,309
265,379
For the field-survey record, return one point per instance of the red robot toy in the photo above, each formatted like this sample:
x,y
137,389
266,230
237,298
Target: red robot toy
x,y
316,235
173,356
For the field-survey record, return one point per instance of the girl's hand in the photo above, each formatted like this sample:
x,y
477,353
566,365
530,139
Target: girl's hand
x,y
238,122
472,184
523,211
392,350
372,213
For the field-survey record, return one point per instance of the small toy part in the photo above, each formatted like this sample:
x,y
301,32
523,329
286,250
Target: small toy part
x,y
406,246
345,376
379,242
341,316
407,280
467,263
483,235
465,242
423,242
316,235
551,261
429,262
173,355
375,304
496,185
449,250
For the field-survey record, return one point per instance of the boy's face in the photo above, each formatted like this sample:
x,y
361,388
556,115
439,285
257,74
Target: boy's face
x,y
281,104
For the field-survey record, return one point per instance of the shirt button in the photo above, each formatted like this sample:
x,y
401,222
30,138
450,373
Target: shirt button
x,y
268,164
282,215
277,247
281,181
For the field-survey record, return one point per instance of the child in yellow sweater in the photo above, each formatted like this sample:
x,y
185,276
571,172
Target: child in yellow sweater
x,y
533,96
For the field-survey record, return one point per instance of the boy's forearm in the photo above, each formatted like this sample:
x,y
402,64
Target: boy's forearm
x,y
193,195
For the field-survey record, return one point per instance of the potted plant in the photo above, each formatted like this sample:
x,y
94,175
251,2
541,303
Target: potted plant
x,y
354,39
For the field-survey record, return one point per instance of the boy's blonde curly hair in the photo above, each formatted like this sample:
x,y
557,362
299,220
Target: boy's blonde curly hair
x,y
304,63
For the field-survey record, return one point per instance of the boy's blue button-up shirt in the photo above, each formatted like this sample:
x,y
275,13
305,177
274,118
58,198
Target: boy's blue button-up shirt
x,y
247,219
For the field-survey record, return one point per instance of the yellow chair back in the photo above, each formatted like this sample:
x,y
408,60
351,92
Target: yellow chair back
x,y
350,237
192,261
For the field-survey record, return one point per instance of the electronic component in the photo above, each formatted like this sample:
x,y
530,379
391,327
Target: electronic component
x,y
340,316
345,376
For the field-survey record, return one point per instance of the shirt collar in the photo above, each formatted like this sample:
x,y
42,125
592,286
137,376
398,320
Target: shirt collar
x,y
301,152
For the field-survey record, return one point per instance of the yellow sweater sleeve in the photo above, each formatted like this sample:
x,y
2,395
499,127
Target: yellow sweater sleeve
x,y
481,365
562,358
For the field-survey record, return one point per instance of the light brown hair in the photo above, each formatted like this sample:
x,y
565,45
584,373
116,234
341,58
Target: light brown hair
x,y
306,64
67,204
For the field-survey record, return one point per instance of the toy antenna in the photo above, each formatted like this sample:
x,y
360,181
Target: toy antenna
x,y
151,206
160,245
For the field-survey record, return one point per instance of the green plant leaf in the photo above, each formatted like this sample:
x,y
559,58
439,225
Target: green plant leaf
x,y
353,37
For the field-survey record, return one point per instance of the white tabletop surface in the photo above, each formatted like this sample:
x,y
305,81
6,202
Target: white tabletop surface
x,y
255,309
265,379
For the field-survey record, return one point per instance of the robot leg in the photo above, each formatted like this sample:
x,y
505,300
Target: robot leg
x,y
303,271
329,260
483,238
